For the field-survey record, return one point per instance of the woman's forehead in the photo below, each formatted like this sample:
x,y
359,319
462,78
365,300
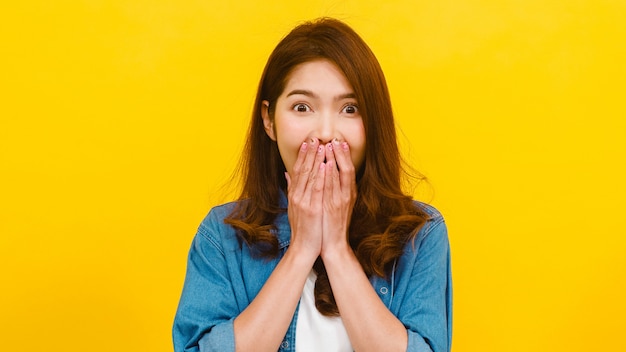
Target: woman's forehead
x,y
315,78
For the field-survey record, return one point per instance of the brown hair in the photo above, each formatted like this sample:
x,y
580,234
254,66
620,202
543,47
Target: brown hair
x,y
384,219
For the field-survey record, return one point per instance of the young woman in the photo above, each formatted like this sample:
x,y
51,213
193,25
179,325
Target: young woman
x,y
323,251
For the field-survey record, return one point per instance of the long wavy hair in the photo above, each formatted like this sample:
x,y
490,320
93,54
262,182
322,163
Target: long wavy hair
x,y
384,218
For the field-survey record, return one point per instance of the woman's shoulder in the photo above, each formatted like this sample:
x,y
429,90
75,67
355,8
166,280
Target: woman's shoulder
x,y
433,214
213,223
222,211
434,219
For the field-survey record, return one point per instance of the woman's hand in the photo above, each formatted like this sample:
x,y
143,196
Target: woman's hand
x,y
339,197
263,324
305,189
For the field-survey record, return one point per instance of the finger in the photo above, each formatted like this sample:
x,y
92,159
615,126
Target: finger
x,y
315,173
300,159
292,189
303,166
347,175
309,160
331,181
317,189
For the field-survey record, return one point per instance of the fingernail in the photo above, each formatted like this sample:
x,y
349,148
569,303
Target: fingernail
x,y
320,149
312,140
329,146
335,141
303,147
344,145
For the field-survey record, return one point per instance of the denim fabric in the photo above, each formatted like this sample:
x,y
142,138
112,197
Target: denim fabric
x,y
223,277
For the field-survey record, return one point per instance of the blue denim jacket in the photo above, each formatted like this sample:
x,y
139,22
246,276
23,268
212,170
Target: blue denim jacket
x,y
223,277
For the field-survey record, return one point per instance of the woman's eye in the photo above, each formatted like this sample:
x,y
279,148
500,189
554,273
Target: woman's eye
x,y
350,109
301,108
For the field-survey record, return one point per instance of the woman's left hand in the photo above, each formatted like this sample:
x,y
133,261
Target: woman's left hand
x,y
339,197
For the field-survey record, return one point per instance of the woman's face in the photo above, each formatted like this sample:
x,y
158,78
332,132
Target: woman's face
x,y
317,102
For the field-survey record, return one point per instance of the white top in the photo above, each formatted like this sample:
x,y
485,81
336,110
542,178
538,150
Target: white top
x,y
315,332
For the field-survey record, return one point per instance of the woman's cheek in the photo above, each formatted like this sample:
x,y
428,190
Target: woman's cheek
x,y
288,154
357,154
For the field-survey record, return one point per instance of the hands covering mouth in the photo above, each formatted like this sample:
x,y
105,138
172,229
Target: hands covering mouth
x,y
321,193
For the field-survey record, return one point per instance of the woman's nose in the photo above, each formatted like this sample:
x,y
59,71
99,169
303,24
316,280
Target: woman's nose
x,y
326,129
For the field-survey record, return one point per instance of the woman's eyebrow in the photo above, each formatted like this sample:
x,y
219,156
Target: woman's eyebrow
x,y
310,94
345,96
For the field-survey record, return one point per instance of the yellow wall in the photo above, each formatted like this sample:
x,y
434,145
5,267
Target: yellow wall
x,y
119,121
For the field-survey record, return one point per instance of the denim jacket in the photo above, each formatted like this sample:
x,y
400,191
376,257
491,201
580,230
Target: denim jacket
x,y
223,277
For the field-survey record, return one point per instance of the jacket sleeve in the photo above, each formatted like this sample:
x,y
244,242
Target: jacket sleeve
x,y
427,307
207,307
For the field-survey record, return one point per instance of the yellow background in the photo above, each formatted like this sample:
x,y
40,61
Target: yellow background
x,y
121,120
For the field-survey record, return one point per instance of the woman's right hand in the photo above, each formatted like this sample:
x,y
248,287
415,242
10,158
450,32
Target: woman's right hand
x,y
304,191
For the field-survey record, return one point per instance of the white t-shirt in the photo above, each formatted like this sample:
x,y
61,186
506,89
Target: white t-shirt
x,y
315,332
